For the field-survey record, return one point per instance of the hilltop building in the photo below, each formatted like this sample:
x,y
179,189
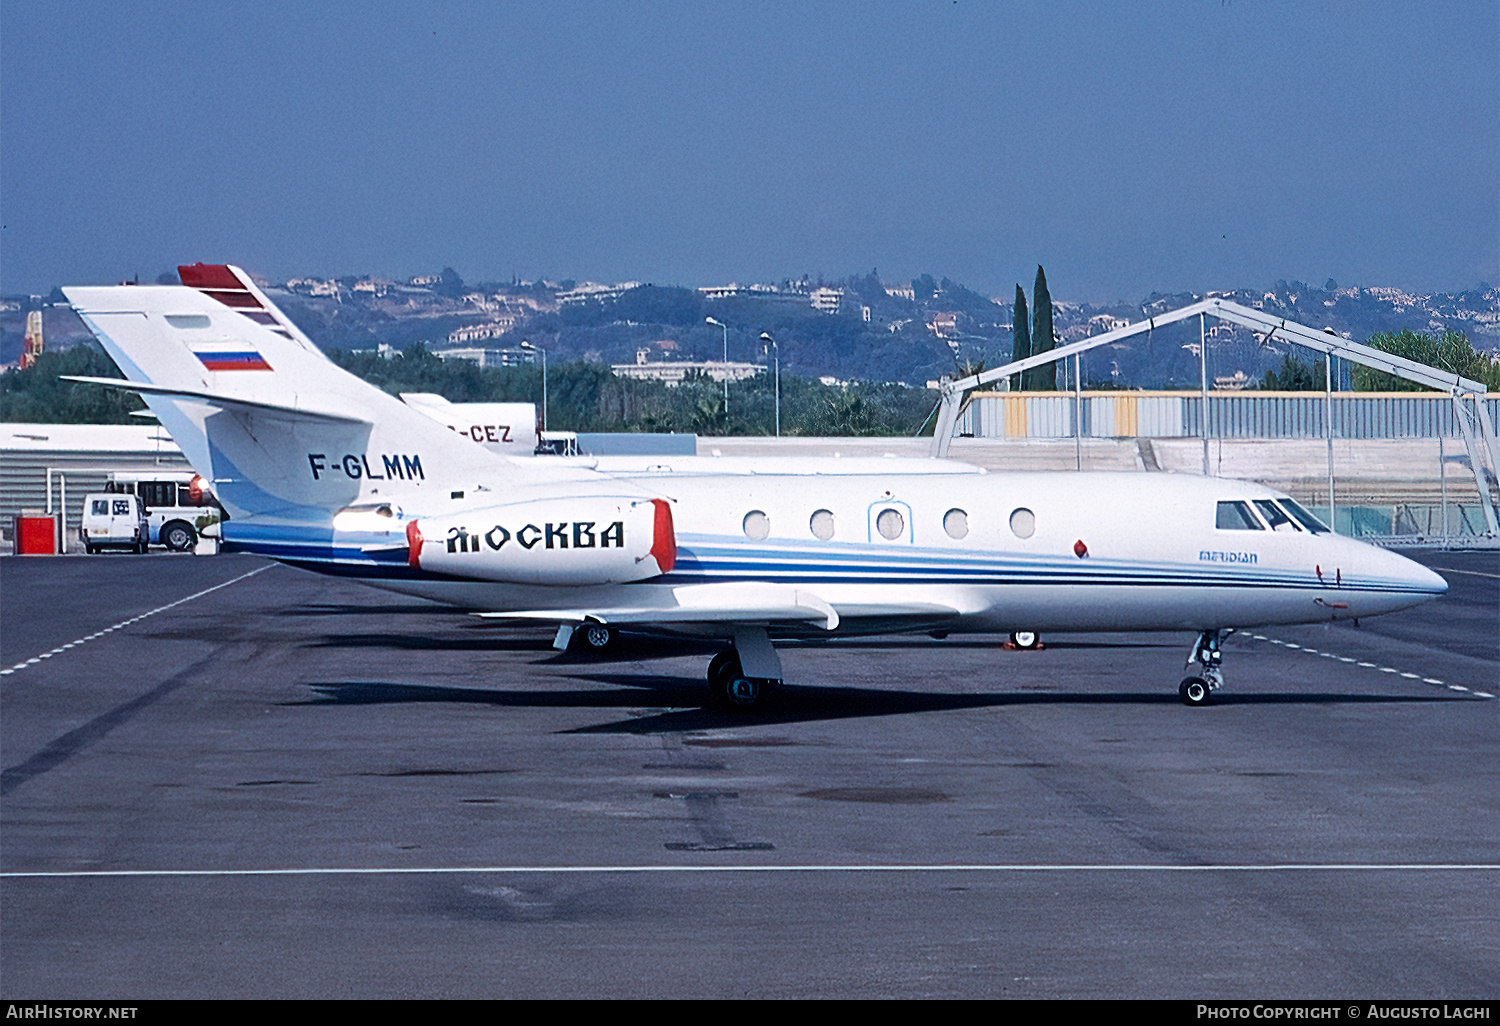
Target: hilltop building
x,y
827,300
674,371
475,332
593,292
486,357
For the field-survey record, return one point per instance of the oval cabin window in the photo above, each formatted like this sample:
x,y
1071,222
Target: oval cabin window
x,y
890,523
1023,523
956,523
757,525
821,524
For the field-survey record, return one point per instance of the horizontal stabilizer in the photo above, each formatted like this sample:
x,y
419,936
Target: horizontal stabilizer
x,y
213,399
748,602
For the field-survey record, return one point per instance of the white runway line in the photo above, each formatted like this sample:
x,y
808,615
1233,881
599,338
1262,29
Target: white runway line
x,y
956,867
126,623
1375,666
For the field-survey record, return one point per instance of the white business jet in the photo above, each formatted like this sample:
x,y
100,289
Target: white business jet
x,y
324,471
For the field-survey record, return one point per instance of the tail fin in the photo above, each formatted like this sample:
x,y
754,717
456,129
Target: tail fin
x,y
281,431
233,287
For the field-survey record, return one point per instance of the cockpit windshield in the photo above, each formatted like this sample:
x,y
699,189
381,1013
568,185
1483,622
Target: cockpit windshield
x,y
1236,516
1303,517
1278,520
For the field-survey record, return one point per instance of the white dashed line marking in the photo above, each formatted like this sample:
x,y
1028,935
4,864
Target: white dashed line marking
x,y
956,867
1373,666
126,623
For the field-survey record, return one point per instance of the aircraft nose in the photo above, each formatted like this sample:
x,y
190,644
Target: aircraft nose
x,y
1430,580
1417,579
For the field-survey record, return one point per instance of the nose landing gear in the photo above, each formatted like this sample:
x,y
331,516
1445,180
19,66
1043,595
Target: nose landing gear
x,y
1198,689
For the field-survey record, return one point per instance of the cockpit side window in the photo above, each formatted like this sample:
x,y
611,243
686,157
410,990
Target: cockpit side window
x,y
1236,516
1303,517
1278,520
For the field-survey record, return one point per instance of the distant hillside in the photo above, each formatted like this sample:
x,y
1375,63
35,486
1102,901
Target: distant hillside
x,y
868,329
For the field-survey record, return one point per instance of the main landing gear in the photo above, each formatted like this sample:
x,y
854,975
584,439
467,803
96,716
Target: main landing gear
x,y
594,637
745,677
591,638
1199,687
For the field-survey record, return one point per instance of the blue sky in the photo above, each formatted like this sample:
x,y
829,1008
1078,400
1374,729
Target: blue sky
x,y
1192,144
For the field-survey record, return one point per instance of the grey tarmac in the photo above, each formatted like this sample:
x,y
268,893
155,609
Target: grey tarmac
x,y
378,797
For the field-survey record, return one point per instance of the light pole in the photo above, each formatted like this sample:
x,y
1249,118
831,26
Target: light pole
x,y
765,337
1200,350
526,345
721,324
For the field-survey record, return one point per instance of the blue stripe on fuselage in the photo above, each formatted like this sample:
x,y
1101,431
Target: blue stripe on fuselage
x,y
311,545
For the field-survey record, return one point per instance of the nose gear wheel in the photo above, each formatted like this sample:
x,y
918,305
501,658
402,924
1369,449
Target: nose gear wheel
x,y
1198,689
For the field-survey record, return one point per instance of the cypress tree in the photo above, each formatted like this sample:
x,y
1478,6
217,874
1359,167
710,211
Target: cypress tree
x,y
1021,334
1042,379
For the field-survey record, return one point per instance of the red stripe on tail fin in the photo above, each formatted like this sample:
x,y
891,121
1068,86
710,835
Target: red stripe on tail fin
x,y
209,276
240,299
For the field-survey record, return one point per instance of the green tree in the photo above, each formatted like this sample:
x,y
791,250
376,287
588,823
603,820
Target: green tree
x,y
1294,376
1020,327
1041,379
37,395
1451,352
869,287
449,284
844,413
708,415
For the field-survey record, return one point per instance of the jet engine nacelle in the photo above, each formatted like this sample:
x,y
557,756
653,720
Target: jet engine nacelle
x,y
594,540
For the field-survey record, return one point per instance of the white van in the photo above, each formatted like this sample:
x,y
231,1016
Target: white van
x,y
113,520
178,504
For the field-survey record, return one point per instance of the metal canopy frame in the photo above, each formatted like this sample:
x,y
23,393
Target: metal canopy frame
x,y
1467,395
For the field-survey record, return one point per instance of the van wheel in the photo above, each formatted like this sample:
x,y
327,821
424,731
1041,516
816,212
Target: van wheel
x,y
178,536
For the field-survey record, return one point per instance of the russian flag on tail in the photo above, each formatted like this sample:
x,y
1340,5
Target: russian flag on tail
x,y
242,360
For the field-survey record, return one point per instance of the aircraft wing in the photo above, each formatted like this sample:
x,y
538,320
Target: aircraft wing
x,y
743,603
730,602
